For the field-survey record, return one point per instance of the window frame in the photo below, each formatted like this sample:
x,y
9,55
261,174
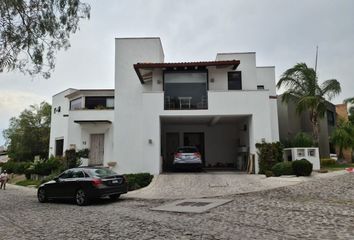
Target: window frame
x,y
70,107
228,80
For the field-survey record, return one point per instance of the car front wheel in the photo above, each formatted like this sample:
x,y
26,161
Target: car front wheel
x,y
81,198
41,195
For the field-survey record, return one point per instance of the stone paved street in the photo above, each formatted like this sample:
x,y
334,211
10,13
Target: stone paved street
x,y
320,209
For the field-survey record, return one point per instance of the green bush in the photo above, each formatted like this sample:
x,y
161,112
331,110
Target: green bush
x,y
269,173
138,180
302,140
268,155
72,158
45,167
302,167
282,168
15,167
327,161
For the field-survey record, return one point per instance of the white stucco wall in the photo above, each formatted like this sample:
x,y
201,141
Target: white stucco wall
x,y
79,134
132,150
59,120
247,67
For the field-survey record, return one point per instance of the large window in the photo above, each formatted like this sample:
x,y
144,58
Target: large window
x,y
234,80
76,104
99,102
185,90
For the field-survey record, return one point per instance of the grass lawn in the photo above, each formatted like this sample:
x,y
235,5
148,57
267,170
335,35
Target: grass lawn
x,y
29,182
337,167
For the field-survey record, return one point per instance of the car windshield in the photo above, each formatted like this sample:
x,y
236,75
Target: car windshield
x,y
187,150
102,172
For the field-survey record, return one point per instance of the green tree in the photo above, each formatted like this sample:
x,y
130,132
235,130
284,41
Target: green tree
x,y
303,88
28,134
351,109
349,100
302,140
343,136
32,31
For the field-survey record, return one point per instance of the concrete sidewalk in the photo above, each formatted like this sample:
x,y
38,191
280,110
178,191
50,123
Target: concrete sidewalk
x,y
213,184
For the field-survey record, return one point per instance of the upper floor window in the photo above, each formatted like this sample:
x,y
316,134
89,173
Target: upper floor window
x,y
234,80
99,102
186,90
260,87
76,104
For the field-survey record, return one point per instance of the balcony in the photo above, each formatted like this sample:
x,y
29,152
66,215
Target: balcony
x,y
185,102
185,90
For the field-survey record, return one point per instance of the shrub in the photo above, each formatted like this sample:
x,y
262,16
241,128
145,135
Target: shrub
x,y
302,140
83,153
269,173
45,167
269,154
327,161
138,180
302,167
282,168
15,167
72,159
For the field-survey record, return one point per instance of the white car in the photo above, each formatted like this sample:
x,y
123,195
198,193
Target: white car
x,y
187,156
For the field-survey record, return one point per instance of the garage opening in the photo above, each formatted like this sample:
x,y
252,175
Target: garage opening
x,y
222,141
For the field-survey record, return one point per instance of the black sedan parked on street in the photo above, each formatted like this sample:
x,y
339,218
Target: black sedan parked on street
x,y
83,184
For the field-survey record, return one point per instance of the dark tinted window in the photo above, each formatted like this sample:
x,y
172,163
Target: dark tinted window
x,y
234,81
101,172
67,174
187,150
99,102
59,144
78,174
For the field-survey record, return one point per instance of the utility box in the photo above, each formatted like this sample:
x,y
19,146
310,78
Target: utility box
x,y
310,154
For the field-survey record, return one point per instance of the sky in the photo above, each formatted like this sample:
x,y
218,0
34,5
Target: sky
x,y
282,33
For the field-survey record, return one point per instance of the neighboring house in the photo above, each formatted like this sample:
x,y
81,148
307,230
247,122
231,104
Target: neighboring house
x,y
342,112
291,123
224,107
83,119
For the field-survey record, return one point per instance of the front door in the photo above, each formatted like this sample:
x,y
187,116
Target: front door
x,y
172,143
96,149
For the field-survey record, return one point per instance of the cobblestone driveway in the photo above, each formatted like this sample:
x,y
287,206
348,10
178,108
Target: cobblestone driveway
x,y
322,209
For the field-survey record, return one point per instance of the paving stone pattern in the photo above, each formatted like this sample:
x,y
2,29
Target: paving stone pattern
x,y
320,209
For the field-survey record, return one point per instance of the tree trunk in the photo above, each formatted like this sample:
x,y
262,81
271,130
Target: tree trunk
x,y
315,128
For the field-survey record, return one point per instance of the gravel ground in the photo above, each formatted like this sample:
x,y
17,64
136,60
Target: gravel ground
x,y
320,209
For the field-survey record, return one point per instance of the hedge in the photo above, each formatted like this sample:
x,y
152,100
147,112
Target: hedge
x,y
302,167
282,168
138,180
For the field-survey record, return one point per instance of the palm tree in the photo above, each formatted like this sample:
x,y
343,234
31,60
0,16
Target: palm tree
x,y
343,136
308,94
349,100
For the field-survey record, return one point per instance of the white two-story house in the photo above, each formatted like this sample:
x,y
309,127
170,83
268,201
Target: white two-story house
x,y
223,107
